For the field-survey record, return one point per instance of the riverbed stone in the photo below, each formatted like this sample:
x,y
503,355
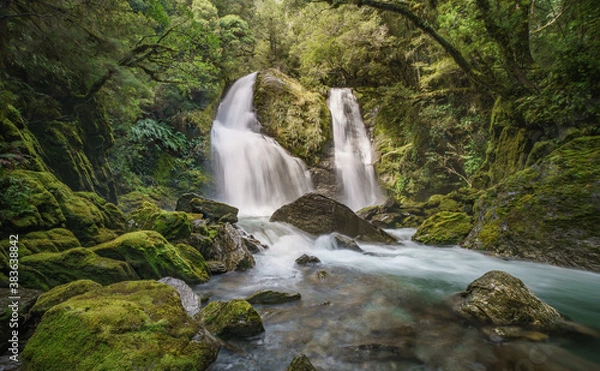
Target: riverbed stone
x,y
301,363
231,319
501,299
305,259
125,326
189,299
272,297
317,214
211,209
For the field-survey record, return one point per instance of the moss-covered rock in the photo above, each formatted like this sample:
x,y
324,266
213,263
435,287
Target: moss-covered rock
x,y
173,225
272,297
151,256
61,293
47,270
125,326
233,318
500,299
229,247
9,313
301,363
548,212
53,240
297,118
210,209
444,228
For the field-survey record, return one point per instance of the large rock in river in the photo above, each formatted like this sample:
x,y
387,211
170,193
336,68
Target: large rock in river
x,y
233,318
499,299
317,214
213,210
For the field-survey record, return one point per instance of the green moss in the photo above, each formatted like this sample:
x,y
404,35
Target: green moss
x,y
159,196
47,270
60,294
444,228
125,326
22,142
151,256
297,118
53,240
548,212
233,318
173,225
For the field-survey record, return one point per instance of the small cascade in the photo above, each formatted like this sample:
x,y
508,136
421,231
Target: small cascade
x,y
253,172
353,152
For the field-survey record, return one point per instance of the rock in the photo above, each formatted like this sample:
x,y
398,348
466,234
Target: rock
x,y
444,228
229,247
272,297
301,363
252,244
317,214
233,318
27,299
152,257
47,270
53,240
189,300
500,299
548,212
60,294
125,326
307,259
503,333
216,267
213,210
343,242
172,225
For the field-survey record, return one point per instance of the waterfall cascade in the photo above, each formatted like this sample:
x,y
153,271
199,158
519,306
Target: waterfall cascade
x,y
253,172
353,152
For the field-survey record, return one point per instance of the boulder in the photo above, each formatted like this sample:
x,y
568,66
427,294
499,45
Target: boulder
x,y
47,270
212,210
272,297
230,248
499,299
444,228
189,300
233,318
307,259
60,294
172,225
342,242
125,326
152,257
301,363
317,214
27,299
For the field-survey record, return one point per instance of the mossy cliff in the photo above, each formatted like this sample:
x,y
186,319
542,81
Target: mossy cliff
x,y
125,326
548,212
297,118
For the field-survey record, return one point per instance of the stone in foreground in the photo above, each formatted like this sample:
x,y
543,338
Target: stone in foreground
x,y
231,319
317,214
272,297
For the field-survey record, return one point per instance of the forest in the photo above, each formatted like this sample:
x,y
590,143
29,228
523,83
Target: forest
x,y
483,115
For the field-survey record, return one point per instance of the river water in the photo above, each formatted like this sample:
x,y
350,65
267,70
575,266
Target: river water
x,y
379,309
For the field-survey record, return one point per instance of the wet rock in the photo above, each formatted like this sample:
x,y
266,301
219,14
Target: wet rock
x,y
307,259
124,326
252,244
229,247
503,333
216,267
343,242
301,363
189,300
317,214
503,300
212,210
233,318
272,297
27,299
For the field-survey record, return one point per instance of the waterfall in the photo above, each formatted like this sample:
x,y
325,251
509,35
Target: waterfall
x,y
353,152
253,172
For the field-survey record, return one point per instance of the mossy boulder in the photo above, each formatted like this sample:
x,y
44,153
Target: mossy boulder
x,y
301,363
172,225
47,270
549,212
499,299
125,326
272,297
212,210
151,256
230,319
299,119
35,200
10,313
444,228
52,240
317,214
60,294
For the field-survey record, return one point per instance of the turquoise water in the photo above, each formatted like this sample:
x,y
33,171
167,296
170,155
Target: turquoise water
x,y
384,309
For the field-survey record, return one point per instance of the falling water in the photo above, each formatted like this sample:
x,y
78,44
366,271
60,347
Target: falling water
x,y
253,172
353,152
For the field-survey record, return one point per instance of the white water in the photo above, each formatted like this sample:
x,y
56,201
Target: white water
x,y
353,152
253,172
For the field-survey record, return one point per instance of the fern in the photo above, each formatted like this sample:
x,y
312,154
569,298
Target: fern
x,y
148,131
